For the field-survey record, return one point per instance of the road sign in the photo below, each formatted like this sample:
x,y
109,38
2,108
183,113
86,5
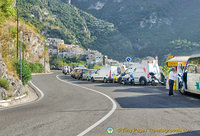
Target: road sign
x,y
128,59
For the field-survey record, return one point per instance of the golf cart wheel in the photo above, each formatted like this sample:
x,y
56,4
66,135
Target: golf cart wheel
x,y
143,81
105,80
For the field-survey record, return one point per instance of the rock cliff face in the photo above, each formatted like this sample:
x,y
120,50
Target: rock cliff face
x,y
15,85
34,51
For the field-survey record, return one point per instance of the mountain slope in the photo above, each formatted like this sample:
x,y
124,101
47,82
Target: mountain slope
x,y
150,25
60,20
33,51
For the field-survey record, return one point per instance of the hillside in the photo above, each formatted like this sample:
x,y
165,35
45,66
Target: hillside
x,y
56,19
34,51
151,25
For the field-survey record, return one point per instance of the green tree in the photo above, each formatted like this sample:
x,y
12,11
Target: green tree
x,y
26,71
165,68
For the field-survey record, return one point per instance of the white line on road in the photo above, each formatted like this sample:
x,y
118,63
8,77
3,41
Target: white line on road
x,y
23,104
41,93
102,119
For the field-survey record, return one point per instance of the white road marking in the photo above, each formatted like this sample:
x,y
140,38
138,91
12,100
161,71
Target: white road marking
x,y
41,93
102,119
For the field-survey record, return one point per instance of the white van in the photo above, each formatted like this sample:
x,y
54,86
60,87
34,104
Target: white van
x,y
141,72
191,76
106,74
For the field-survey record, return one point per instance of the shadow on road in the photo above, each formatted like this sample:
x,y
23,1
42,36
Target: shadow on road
x,y
141,90
193,133
158,101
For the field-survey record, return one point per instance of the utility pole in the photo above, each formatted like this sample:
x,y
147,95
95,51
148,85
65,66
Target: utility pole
x,y
20,61
17,28
44,57
23,46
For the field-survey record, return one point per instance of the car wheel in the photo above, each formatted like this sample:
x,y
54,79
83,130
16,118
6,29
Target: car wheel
x,y
105,80
92,79
143,81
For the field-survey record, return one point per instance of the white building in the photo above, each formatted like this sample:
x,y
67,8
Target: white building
x,y
53,42
150,60
94,57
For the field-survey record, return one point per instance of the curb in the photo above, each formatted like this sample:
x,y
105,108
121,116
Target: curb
x,y
16,98
5,103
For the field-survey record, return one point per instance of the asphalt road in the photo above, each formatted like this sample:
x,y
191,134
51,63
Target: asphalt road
x,y
69,109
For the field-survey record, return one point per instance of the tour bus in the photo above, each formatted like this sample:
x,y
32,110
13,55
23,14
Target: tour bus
x,y
191,76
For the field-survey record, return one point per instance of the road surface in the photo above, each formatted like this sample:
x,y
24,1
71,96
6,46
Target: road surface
x,y
68,109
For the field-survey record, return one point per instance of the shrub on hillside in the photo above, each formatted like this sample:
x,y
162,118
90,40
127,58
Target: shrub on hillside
x,y
26,71
4,83
36,67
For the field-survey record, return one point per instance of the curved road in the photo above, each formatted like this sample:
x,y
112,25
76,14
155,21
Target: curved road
x,y
68,110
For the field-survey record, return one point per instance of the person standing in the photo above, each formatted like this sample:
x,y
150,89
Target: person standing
x,y
172,76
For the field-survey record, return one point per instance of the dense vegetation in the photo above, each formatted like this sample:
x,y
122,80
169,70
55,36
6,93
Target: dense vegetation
x,y
56,19
8,35
4,83
36,67
150,25
26,74
6,10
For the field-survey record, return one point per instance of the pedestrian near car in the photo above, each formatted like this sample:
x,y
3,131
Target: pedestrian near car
x,y
172,76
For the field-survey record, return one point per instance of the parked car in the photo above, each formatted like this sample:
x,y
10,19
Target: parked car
x,y
141,72
74,72
106,74
88,74
79,73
